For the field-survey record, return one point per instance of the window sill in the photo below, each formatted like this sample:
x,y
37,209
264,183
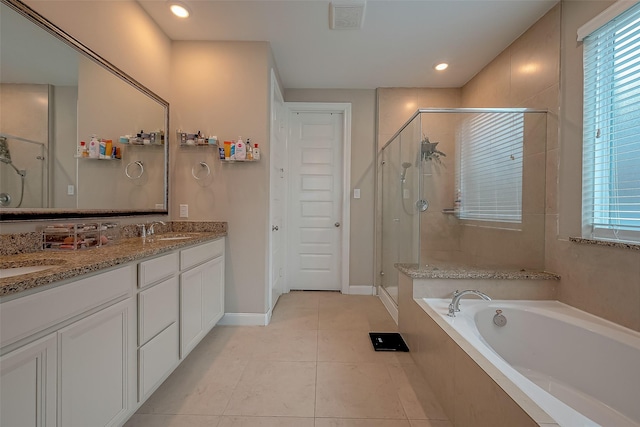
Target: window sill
x,y
621,245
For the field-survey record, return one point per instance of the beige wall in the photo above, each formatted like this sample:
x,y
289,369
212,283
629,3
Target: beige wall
x,y
362,172
525,74
602,280
119,31
222,88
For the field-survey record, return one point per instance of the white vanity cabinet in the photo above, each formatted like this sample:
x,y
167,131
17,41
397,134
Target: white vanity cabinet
x,y
69,353
90,351
201,292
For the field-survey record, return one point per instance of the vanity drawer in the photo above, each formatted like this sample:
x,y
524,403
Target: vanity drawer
x,y
157,309
197,255
22,317
156,360
156,269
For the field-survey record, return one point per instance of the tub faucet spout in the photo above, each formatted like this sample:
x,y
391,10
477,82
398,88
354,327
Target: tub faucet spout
x,y
457,295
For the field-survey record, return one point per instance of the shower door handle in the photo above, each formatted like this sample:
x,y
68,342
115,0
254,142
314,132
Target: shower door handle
x,y
337,224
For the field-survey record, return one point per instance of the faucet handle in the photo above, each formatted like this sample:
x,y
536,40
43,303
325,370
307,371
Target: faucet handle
x,y
143,230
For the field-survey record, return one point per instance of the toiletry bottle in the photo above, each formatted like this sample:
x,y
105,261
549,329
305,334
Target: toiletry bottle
x,y
241,150
256,152
108,151
94,149
81,148
249,149
233,151
102,147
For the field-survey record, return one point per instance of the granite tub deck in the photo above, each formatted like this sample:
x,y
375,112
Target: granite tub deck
x,y
70,264
441,280
469,395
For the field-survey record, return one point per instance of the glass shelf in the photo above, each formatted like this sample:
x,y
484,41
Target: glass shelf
x,y
238,161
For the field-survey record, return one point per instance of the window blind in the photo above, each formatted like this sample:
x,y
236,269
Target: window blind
x,y
611,130
490,173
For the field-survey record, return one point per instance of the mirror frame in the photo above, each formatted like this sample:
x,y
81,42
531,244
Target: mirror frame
x,y
19,214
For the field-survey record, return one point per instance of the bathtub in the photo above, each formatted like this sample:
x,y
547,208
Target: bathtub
x,y
580,369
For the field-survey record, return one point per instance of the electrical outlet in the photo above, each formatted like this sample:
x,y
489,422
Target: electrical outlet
x,y
70,190
356,193
406,194
184,211
159,206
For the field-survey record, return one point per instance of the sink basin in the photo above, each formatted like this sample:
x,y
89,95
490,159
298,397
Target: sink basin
x,y
11,269
171,236
17,271
174,238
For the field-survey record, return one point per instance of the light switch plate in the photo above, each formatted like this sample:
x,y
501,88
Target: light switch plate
x,y
184,211
71,190
356,193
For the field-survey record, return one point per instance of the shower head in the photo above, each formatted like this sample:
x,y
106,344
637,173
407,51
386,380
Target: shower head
x,y
403,174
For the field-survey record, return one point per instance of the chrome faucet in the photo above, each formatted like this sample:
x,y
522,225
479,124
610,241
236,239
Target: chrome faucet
x,y
150,230
457,295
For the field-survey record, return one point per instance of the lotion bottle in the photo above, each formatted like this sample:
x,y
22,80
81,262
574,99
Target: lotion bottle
x,y
94,148
241,149
256,152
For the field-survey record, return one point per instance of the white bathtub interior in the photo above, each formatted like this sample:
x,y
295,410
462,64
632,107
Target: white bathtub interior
x,y
580,369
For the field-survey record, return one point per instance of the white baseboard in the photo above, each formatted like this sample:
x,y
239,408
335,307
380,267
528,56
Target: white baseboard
x,y
362,290
390,305
245,319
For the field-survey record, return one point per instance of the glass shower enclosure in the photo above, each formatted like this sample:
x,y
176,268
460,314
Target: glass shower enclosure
x,y
462,187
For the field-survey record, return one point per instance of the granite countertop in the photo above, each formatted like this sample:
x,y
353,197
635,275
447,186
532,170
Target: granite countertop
x,y
69,264
451,271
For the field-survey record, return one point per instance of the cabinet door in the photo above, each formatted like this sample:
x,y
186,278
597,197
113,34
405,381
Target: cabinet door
x,y
28,385
97,363
213,292
201,302
190,310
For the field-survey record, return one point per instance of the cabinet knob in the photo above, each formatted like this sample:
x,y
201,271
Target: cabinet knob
x,y
274,228
337,224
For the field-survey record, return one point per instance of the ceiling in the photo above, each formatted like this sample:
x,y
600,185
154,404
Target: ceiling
x,y
398,46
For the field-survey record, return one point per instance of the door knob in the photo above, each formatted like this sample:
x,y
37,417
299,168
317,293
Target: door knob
x,y
274,228
337,224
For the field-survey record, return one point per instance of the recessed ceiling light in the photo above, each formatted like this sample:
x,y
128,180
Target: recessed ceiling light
x,y
179,10
441,67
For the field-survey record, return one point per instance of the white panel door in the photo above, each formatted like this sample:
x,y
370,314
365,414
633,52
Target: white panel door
x,y
278,191
315,194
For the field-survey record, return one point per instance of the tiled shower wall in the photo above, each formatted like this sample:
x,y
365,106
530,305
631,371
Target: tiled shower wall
x,y
543,69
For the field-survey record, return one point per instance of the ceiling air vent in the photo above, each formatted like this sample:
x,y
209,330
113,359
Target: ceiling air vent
x,y
346,15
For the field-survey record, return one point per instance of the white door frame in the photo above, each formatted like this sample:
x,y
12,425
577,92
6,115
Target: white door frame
x,y
276,93
345,109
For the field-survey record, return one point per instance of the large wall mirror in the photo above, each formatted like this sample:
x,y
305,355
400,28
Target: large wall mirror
x,y
55,93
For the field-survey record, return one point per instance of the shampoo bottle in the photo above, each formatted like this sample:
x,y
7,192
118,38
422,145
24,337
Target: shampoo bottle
x,y
241,150
256,152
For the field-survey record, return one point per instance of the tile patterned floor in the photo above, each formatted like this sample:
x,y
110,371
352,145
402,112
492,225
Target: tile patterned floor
x,y
313,366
